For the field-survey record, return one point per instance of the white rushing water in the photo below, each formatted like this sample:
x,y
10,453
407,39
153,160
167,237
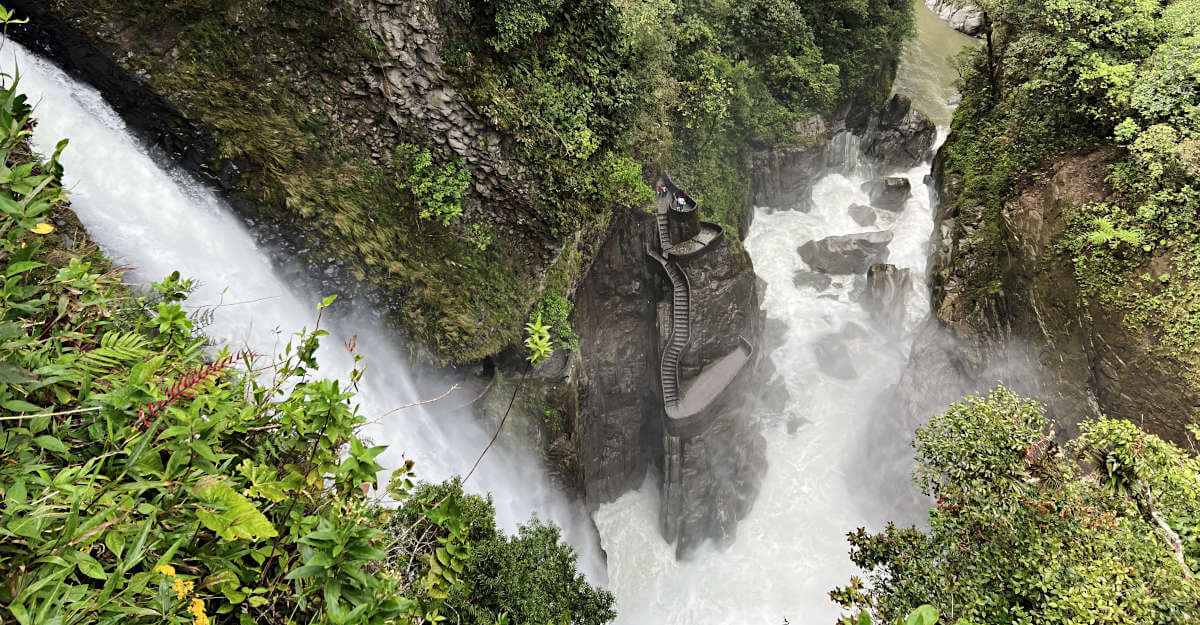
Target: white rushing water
x,y
156,220
822,480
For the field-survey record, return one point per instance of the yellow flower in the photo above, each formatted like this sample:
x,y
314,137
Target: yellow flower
x,y
165,569
197,610
182,588
42,228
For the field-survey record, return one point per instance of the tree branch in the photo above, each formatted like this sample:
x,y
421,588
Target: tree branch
x,y
1164,531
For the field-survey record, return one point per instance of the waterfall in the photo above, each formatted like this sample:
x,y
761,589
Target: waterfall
x,y
826,478
156,220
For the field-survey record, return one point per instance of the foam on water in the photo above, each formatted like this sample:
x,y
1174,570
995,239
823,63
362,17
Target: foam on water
x,y
822,480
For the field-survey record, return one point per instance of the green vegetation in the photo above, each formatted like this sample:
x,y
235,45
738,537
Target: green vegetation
x,y
923,615
746,72
145,481
1105,530
556,309
683,86
437,190
1059,76
527,578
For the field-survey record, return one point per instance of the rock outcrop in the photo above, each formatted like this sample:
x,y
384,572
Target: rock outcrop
x,y
1007,308
846,253
887,293
899,136
620,408
888,193
783,177
965,17
894,136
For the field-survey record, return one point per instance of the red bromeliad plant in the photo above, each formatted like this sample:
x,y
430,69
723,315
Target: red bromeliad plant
x,y
187,386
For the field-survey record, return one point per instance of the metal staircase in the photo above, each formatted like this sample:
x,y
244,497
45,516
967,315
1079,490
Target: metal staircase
x,y
664,233
681,323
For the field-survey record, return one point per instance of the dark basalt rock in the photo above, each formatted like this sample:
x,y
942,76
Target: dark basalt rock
x,y
862,214
899,136
888,193
782,179
887,291
847,253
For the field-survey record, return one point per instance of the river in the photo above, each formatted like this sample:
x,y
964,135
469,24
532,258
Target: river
x,y
823,479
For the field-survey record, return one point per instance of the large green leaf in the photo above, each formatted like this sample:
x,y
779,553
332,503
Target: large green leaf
x,y
228,513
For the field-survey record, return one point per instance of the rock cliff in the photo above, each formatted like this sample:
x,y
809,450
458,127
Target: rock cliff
x,y
965,17
892,136
1007,308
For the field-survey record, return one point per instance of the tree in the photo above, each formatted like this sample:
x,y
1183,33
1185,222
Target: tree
x,y
1103,530
530,578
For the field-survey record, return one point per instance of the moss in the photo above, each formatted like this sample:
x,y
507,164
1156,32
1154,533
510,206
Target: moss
x,y
263,76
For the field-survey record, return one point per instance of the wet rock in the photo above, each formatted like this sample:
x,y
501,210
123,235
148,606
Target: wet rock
x,y
886,294
888,193
833,358
846,253
964,17
811,279
782,178
900,136
858,290
862,214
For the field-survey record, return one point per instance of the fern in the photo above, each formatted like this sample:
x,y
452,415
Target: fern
x,y
1106,232
116,349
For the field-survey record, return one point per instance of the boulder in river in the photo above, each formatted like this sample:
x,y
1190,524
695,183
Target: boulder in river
x,y
862,214
887,291
888,193
833,358
812,279
847,253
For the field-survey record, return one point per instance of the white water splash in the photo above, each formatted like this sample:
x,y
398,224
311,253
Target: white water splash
x,y
156,220
821,481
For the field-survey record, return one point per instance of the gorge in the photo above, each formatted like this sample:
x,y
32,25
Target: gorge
x,y
744,331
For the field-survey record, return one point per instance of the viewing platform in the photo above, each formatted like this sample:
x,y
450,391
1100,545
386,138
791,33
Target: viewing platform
x,y
690,416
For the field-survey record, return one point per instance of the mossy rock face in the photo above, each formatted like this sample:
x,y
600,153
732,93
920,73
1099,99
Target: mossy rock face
x,y
294,107
1010,290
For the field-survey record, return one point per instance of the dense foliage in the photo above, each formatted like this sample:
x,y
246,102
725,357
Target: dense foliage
x,y
530,577
681,85
147,481
1062,75
1105,530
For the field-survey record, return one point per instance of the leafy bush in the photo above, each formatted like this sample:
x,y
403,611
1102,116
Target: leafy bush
x,y
555,310
1024,531
437,190
527,578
